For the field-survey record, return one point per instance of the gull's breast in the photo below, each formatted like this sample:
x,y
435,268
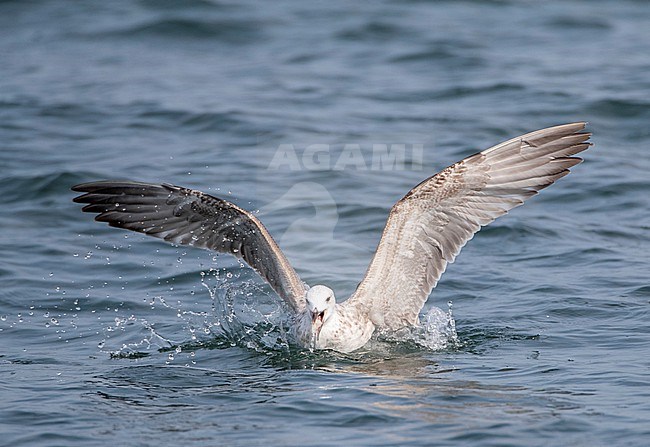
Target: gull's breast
x,y
346,331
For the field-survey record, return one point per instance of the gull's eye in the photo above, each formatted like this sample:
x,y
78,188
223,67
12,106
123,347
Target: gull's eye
x,y
328,299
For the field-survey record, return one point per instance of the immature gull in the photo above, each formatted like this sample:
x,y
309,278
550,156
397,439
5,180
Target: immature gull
x,y
425,230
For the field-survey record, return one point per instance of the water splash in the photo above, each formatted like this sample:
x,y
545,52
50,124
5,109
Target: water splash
x,y
237,315
436,332
241,317
118,336
239,312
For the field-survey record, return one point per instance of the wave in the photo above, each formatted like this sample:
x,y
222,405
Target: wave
x,y
620,108
182,119
581,23
456,92
134,115
26,188
451,54
229,31
374,31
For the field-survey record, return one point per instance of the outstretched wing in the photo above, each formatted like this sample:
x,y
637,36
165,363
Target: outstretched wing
x,y
427,228
188,217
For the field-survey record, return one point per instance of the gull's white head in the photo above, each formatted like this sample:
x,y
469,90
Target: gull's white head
x,y
320,304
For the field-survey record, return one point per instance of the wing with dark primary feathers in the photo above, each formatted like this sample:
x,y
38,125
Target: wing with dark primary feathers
x,y
188,217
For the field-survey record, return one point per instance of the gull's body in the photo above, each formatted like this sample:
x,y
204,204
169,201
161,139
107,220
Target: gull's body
x,y
425,231
343,328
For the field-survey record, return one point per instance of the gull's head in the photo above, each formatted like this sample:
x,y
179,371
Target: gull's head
x,y
320,304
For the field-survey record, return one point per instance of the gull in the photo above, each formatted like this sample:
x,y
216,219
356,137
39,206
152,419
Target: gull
x,y
425,231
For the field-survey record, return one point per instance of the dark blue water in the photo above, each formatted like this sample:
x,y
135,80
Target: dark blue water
x,y
108,337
